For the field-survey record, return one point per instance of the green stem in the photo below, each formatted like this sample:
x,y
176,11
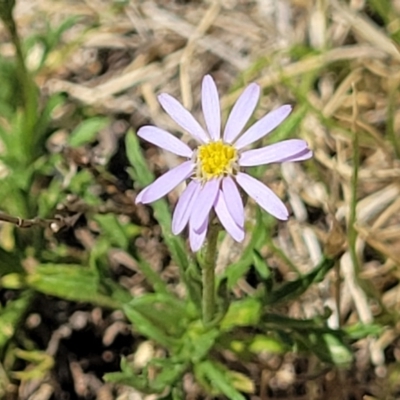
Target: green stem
x,y
27,85
393,84
352,232
208,300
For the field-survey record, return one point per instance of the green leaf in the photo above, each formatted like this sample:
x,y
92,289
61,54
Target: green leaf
x,y
327,346
269,344
236,270
217,378
112,228
339,352
261,266
42,124
244,312
169,371
11,315
87,131
294,289
13,281
197,342
9,262
276,322
148,328
128,376
163,310
40,362
360,330
71,282
143,177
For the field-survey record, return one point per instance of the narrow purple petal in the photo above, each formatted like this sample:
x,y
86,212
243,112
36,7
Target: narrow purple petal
x,y
165,183
263,126
241,112
263,195
277,152
182,117
196,238
205,200
165,140
184,207
140,195
227,220
211,108
233,200
304,155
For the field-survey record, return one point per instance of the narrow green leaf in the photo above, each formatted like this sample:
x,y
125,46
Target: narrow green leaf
x,y
171,372
10,316
164,311
215,376
113,230
144,177
87,131
360,331
236,270
128,376
276,322
327,346
147,328
261,266
295,288
153,277
71,282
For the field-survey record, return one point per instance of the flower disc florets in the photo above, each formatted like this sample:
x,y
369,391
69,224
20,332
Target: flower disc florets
x,y
216,159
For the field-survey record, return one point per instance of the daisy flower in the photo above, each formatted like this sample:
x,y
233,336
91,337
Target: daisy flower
x,y
214,169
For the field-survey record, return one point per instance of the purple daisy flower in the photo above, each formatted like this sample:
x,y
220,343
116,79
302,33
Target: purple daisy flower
x,y
214,168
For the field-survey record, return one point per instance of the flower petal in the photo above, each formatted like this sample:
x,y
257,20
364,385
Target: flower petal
x,y
182,117
233,200
211,108
203,203
196,238
184,207
165,183
165,140
263,126
304,155
263,195
278,152
241,112
227,220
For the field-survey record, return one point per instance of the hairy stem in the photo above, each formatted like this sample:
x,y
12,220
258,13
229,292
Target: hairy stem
x,y
208,301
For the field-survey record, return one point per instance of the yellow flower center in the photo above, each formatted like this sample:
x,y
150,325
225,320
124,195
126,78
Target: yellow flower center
x,y
216,159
